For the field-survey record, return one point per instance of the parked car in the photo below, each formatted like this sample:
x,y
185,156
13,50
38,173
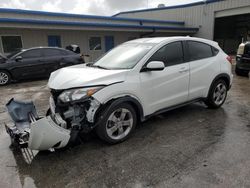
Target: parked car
x,y
35,63
243,59
129,84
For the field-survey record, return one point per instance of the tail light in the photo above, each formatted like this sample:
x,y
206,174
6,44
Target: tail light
x,y
230,60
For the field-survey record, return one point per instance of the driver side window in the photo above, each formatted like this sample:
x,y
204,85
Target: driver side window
x,y
170,54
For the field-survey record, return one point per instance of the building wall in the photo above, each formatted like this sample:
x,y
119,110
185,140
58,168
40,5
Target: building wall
x,y
201,16
34,38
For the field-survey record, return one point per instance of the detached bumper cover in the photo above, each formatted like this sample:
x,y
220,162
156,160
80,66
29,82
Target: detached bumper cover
x,y
46,134
31,131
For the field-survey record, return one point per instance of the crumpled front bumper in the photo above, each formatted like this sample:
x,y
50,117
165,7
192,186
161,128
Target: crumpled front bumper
x,y
34,132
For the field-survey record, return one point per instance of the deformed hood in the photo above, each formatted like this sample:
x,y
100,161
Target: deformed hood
x,y
82,76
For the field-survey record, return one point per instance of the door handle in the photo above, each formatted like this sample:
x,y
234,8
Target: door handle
x,y
183,70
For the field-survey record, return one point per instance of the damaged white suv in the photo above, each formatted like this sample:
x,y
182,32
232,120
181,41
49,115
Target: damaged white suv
x,y
132,82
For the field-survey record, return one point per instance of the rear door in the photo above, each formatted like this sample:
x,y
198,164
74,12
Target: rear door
x,y
204,67
169,87
52,58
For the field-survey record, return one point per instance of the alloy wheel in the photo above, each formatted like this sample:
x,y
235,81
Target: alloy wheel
x,y
119,124
220,94
4,78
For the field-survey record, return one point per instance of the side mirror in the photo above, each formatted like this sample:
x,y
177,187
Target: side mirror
x,y
154,66
19,58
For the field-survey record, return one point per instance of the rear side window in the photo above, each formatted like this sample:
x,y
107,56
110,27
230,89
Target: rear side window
x,y
67,52
171,54
215,51
198,50
51,52
31,54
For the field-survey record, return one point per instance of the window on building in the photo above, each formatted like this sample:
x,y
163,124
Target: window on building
x,y
171,54
95,43
11,43
54,41
198,50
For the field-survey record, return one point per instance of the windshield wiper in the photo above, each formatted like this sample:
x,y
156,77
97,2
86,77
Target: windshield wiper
x,y
97,66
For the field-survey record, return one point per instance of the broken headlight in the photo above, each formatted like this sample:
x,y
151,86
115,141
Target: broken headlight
x,y
78,94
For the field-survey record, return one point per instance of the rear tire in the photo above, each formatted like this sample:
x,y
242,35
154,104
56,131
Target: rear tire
x,y
217,94
117,123
241,72
4,77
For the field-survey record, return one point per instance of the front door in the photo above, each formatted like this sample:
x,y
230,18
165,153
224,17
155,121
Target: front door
x,y
169,87
29,65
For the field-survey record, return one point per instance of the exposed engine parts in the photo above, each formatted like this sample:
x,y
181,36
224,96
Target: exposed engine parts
x,y
90,113
62,125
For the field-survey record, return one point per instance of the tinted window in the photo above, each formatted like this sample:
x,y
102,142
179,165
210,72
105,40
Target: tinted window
x,y
31,54
11,43
198,50
215,51
52,52
67,52
171,54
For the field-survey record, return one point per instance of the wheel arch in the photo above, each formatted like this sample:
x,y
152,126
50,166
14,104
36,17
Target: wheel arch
x,y
5,70
125,99
222,76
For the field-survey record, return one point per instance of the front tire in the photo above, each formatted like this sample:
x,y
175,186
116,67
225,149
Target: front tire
x,y
117,123
4,77
217,94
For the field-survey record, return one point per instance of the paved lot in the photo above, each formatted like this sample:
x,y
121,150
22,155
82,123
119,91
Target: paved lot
x,y
188,147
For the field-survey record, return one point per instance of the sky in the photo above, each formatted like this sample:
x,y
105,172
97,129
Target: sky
x,y
93,7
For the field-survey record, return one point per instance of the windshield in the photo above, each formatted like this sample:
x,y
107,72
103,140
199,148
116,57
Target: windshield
x,y
125,56
13,54
2,56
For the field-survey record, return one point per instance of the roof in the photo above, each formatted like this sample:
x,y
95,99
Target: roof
x,y
90,24
31,17
158,40
170,7
68,15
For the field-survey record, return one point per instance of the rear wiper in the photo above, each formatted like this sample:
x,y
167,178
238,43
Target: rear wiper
x,y
97,66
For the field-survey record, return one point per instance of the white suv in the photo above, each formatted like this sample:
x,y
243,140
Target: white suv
x,y
132,82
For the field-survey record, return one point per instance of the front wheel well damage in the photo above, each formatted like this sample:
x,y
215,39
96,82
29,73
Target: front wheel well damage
x,y
126,99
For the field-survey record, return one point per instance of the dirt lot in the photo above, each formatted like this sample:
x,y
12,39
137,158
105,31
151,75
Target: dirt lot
x,y
188,147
